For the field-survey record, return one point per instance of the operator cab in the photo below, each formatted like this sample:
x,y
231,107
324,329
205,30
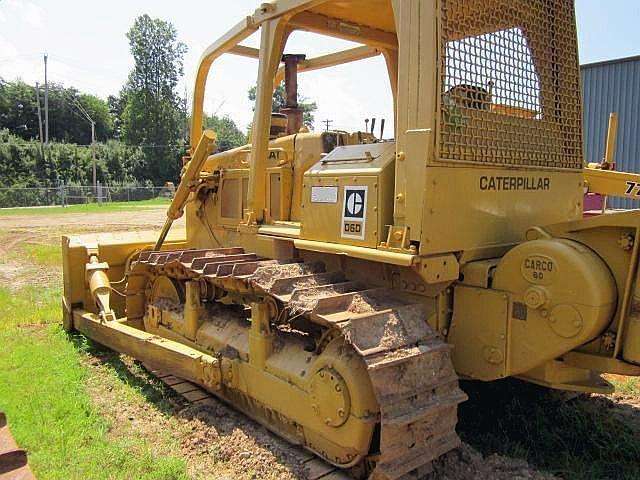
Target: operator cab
x,y
490,93
296,152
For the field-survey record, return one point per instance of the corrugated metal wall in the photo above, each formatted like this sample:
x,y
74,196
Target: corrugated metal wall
x,y
613,87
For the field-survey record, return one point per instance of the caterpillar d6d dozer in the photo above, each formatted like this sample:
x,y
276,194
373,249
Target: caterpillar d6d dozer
x,y
334,286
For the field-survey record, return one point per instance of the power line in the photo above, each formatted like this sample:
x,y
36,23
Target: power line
x,y
93,138
13,58
327,124
78,65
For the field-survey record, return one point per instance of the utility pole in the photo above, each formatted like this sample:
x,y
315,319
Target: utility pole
x,y
93,151
46,102
40,120
327,124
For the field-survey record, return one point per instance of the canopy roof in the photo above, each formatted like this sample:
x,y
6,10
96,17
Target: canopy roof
x,y
376,14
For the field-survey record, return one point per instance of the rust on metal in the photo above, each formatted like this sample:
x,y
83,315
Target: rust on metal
x,y
292,109
13,460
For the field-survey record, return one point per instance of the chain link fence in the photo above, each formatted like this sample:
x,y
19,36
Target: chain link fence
x,y
12,197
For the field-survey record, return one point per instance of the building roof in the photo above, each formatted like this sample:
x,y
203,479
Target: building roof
x,y
635,58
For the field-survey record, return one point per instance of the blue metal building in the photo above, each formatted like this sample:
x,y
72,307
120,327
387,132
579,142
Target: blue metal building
x,y
613,86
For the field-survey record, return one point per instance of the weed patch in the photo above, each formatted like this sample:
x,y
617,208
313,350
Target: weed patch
x,y
46,255
85,208
43,392
29,306
625,385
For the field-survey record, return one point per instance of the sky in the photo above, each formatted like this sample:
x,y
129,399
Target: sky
x,y
88,49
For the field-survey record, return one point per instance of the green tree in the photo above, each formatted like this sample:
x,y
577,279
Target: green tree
x,y
280,100
152,113
18,109
19,113
229,135
117,104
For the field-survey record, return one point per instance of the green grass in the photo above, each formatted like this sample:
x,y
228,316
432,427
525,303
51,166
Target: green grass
x,y
626,385
577,439
43,391
42,254
88,208
29,306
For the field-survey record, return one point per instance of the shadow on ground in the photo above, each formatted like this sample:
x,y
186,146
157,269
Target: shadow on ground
x,y
588,437
215,430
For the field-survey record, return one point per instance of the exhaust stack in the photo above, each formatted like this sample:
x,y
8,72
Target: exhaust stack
x,y
292,109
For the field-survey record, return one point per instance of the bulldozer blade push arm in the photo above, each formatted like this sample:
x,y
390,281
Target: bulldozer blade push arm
x,y
205,147
162,353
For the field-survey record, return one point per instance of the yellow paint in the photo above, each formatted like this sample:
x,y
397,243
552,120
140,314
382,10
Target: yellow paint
x,y
462,211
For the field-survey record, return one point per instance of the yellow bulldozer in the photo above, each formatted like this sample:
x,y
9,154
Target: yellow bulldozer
x,y
334,286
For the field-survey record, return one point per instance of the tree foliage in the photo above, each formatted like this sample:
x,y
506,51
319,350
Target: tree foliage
x,y
151,113
21,163
229,135
19,113
280,101
140,131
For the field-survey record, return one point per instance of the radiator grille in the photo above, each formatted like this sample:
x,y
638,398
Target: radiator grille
x,y
510,90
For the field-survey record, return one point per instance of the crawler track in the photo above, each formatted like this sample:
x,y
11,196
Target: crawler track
x,y
314,468
408,363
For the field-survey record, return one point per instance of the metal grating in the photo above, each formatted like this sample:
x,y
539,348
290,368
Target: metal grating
x,y
510,91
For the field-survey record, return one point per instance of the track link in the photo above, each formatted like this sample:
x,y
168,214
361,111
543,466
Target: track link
x,y
408,363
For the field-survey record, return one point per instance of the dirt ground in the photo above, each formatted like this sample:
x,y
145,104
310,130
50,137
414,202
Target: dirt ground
x,y
212,439
142,218
17,230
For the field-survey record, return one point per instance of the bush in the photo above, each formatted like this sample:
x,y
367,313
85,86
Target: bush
x,y
31,175
24,163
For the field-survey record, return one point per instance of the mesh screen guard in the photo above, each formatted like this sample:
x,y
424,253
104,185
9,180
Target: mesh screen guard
x,y
510,88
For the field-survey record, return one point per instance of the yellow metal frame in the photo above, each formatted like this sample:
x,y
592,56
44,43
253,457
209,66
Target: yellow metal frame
x,y
443,207
612,183
600,178
232,174
331,60
281,197
276,20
